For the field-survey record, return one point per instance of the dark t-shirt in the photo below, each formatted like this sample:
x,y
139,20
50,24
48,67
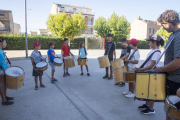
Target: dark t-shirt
x,y
107,47
125,50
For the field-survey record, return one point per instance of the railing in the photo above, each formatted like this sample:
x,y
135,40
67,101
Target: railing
x,y
5,29
82,11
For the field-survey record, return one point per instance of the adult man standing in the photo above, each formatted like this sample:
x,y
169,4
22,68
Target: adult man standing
x,y
170,22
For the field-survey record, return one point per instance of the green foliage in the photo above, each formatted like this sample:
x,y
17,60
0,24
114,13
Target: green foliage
x,y
117,25
65,26
15,42
163,32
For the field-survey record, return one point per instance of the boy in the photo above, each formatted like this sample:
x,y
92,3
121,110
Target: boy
x,y
126,49
51,56
65,51
35,58
110,49
131,64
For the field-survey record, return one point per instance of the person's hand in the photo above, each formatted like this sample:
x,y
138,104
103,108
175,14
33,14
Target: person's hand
x,y
178,93
50,63
34,69
59,57
136,69
126,60
157,69
114,58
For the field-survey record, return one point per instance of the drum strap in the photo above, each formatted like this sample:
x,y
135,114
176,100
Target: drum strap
x,y
126,64
109,48
149,58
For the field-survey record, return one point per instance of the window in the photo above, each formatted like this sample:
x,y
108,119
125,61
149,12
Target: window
x,y
89,21
153,30
1,14
149,30
89,31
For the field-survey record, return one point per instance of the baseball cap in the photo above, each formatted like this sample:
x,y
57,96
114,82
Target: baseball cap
x,y
109,35
134,41
36,44
65,39
154,37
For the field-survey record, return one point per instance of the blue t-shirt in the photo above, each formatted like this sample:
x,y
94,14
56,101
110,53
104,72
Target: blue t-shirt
x,y
52,55
82,52
3,61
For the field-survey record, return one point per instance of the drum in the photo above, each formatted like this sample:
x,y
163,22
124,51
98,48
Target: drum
x,y
57,61
14,77
69,61
118,74
82,61
172,107
41,66
117,63
104,61
129,76
150,86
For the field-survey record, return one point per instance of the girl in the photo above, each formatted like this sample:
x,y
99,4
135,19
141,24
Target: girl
x,y
82,55
154,42
3,66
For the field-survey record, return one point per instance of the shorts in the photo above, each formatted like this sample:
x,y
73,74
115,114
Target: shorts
x,y
2,72
52,66
171,87
37,73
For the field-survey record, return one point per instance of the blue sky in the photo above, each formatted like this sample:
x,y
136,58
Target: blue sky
x,y
38,10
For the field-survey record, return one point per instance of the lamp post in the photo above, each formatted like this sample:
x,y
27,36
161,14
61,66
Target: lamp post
x,y
26,30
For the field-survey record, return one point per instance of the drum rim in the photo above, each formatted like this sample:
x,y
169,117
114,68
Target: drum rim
x,y
41,67
102,56
151,72
14,76
165,110
56,62
158,100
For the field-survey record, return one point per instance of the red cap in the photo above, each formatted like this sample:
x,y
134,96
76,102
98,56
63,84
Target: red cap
x,y
134,41
36,44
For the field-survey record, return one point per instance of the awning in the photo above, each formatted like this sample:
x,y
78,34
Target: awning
x,y
1,24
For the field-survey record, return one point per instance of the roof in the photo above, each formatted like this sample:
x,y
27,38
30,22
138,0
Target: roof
x,y
6,10
43,30
33,31
147,21
73,6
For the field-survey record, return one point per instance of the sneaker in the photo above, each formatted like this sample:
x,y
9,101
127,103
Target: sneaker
x,y
129,95
88,74
52,81
67,74
106,76
55,80
43,86
36,87
110,77
9,98
116,83
148,111
82,73
125,93
144,106
64,75
7,103
121,84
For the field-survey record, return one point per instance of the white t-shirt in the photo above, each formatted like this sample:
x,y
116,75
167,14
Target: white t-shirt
x,y
135,57
155,57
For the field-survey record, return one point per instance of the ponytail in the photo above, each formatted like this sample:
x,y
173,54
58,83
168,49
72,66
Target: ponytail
x,y
158,43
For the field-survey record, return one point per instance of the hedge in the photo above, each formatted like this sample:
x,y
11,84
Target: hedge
x,y
15,42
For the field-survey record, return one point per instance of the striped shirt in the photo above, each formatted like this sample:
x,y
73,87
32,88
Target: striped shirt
x,y
172,52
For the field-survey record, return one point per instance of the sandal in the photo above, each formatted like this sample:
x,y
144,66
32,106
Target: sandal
x,y
7,103
9,98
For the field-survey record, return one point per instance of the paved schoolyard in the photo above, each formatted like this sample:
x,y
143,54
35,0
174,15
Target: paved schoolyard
x,y
75,97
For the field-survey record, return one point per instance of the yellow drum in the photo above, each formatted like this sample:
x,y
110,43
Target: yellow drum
x,y
118,74
150,86
171,107
82,61
14,77
117,63
104,61
69,62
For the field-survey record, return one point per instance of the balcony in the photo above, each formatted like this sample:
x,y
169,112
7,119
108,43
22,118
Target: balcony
x,y
5,29
77,11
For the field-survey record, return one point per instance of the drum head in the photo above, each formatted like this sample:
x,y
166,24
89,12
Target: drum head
x,y
14,71
41,64
58,60
173,99
68,57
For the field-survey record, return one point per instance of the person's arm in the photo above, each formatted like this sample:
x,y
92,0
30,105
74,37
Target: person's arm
x,y
49,60
132,61
71,53
62,53
114,54
125,56
178,92
147,67
32,61
79,54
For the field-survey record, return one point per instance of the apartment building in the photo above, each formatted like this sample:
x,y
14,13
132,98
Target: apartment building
x,y
69,10
142,29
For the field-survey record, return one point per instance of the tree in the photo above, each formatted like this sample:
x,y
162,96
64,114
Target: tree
x,y
163,32
64,26
117,25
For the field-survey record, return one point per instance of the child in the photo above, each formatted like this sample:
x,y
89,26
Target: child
x,y
132,62
109,50
82,55
4,65
154,42
65,51
126,49
51,56
35,58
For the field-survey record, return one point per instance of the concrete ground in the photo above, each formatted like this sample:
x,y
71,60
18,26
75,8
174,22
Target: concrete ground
x,y
74,97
